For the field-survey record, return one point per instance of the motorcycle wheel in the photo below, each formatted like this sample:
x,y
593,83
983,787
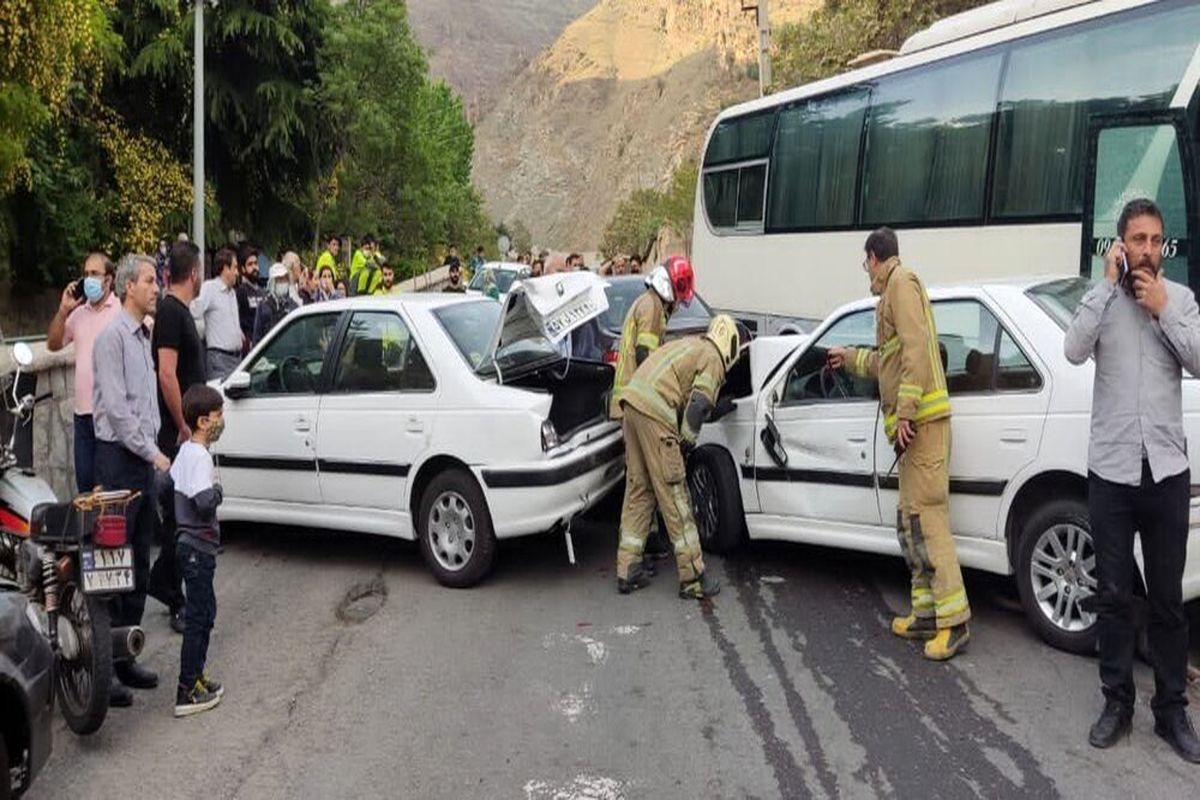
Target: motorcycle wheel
x,y
84,682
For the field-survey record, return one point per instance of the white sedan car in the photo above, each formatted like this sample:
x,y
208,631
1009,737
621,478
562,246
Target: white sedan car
x,y
802,457
442,417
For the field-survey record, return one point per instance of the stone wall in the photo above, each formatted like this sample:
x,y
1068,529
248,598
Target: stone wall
x,y
54,418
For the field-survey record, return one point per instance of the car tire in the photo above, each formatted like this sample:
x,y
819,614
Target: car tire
x,y
716,500
455,530
1056,569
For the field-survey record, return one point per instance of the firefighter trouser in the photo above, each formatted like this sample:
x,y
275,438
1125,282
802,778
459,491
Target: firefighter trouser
x,y
923,527
655,475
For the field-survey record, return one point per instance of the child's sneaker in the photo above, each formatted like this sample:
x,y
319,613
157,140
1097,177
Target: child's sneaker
x,y
211,686
194,700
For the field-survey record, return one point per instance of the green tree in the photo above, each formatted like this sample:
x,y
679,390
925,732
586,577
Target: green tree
x,y
823,44
638,219
266,140
402,145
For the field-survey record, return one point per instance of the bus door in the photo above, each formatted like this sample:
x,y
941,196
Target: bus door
x,y
1141,155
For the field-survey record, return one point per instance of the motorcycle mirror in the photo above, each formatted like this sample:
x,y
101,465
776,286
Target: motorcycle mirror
x,y
22,354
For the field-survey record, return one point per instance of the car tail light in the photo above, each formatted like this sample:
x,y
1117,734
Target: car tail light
x,y
549,436
610,357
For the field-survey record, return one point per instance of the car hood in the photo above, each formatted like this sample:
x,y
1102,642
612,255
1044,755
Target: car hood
x,y
549,308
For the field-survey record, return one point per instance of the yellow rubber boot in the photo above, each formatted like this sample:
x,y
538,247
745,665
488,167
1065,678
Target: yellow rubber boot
x,y
914,627
947,643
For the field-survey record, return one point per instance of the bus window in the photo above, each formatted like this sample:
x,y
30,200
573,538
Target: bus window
x,y
814,164
740,139
1055,81
927,143
1139,161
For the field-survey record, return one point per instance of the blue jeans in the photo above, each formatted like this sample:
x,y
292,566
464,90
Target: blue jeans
x,y
85,453
200,611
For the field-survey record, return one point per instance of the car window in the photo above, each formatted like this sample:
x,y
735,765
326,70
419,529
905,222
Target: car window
x,y
379,354
809,380
504,279
622,295
291,362
1059,298
978,355
471,327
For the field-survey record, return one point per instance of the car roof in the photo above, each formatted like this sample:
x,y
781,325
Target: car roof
x,y
429,300
505,266
997,286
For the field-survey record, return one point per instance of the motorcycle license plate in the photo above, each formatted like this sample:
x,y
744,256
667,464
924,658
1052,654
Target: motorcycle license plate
x,y
107,569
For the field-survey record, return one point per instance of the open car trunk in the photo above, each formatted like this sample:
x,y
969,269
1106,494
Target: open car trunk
x,y
579,389
531,347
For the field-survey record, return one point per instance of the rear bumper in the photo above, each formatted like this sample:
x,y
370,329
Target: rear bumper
x,y
532,498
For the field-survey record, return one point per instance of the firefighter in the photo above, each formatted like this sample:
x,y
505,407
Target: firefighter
x,y
667,285
663,406
916,418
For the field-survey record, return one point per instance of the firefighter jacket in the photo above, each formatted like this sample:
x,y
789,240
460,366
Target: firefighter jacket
x,y
906,358
643,331
677,385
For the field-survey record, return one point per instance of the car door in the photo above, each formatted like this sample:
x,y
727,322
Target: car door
x,y
267,451
998,403
823,468
378,415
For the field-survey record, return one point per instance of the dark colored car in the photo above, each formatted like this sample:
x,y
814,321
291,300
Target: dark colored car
x,y
622,291
26,694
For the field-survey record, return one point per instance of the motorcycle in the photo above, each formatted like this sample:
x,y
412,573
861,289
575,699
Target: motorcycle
x,y
69,559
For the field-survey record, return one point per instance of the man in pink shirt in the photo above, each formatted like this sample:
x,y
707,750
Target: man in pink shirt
x,y
87,306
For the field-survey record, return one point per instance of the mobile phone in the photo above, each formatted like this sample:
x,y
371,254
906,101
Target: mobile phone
x,y
1124,276
77,289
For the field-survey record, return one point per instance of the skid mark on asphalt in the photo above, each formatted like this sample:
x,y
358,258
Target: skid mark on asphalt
x,y
789,777
919,722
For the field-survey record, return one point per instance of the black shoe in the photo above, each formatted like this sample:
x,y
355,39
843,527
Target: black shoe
x,y
1114,723
638,579
703,586
177,620
119,695
135,676
1176,728
648,566
194,700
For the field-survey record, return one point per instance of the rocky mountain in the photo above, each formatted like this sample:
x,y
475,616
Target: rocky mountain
x,y
478,45
624,95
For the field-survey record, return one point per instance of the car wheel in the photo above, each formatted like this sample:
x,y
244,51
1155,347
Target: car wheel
x,y
455,529
1056,571
716,500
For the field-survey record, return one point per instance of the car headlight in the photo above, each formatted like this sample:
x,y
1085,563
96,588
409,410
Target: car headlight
x,y
549,436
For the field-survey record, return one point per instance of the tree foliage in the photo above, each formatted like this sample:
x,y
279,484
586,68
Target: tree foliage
x,y
638,219
402,144
823,44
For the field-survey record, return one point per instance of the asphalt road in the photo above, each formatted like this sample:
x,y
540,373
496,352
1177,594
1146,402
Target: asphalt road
x,y
544,684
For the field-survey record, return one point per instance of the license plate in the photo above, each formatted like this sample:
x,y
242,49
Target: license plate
x,y
107,569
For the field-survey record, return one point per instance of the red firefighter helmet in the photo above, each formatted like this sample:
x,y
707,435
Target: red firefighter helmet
x,y
683,280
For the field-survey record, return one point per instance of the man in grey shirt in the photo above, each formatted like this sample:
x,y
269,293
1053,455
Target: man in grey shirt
x,y
125,413
216,314
1142,330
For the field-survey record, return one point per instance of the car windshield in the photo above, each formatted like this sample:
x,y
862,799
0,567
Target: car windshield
x,y
622,294
1059,298
471,327
504,279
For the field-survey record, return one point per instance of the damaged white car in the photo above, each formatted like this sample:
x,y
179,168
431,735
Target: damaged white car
x,y
451,419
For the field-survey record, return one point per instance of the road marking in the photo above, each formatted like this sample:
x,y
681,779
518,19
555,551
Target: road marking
x,y
581,787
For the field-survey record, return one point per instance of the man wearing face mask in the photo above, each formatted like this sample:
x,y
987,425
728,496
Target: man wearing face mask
x,y
276,305
85,310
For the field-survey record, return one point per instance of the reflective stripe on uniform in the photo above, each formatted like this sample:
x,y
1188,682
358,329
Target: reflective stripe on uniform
x,y
909,390
953,603
889,348
922,598
860,361
631,543
932,404
705,383
647,340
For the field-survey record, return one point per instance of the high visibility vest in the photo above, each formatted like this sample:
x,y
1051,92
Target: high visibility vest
x,y
665,382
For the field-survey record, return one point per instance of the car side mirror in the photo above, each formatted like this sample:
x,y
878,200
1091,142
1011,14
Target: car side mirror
x,y
237,385
22,354
774,443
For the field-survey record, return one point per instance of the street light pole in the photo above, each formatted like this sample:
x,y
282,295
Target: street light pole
x,y
764,44
198,129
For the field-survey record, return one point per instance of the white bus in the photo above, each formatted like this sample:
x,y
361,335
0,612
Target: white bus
x,y
1002,141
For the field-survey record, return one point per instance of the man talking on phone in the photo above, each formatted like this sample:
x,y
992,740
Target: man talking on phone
x,y
1142,330
86,308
